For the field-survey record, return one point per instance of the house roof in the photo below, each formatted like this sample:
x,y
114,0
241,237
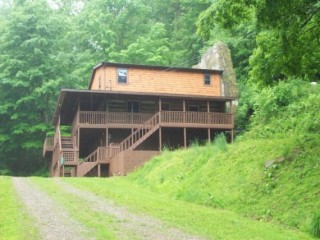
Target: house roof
x,y
68,100
162,68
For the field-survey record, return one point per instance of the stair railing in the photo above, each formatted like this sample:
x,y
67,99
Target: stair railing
x,y
138,134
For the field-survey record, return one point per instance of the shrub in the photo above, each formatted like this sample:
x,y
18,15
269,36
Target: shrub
x,y
220,142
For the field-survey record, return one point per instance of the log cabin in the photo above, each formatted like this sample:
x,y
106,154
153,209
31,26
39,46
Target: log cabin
x,y
130,113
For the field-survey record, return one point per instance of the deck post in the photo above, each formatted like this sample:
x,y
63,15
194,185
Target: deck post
x,y
160,104
232,135
160,139
185,137
184,112
208,110
107,137
99,170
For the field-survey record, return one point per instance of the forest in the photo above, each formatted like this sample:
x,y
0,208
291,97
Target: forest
x,y
49,45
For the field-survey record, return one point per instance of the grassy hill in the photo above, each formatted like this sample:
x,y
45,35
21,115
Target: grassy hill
x,y
271,173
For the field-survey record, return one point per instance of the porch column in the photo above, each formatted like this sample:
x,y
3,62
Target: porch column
x,y
184,105
208,110
160,139
232,133
159,104
99,170
184,129
107,137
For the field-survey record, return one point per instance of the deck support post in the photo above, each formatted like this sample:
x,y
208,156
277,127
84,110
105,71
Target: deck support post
x,y
107,137
160,104
185,137
160,139
99,170
232,133
208,110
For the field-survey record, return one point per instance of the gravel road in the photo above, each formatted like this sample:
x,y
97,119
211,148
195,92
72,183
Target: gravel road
x,y
52,220
54,223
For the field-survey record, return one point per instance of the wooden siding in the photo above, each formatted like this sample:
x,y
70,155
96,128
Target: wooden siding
x,y
157,81
128,161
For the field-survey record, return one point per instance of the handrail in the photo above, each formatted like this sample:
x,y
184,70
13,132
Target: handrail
x,y
212,118
100,117
140,132
48,145
93,157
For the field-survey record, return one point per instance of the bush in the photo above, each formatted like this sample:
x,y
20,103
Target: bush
x,y
220,142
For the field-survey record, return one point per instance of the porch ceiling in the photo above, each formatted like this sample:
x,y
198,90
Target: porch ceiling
x,y
67,104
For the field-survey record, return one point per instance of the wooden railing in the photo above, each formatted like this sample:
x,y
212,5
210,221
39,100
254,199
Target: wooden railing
x,y
137,136
57,151
48,145
70,156
225,119
90,117
103,154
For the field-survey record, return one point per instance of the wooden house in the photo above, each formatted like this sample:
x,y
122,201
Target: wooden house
x,y
131,112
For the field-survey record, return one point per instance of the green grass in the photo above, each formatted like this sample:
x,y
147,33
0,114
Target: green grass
x,y
15,223
236,178
193,218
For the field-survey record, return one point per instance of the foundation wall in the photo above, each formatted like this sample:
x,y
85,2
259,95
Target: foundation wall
x,y
128,161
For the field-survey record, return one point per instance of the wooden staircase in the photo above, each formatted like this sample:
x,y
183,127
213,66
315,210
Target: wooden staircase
x,y
67,143
98,155
85,167
130,143
141,134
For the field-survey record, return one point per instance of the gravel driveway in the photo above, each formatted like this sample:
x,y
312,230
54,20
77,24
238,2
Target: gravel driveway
x,y
53,221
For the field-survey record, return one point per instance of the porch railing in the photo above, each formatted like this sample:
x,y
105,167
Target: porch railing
x,y
102,154
97,118
90,117
225,119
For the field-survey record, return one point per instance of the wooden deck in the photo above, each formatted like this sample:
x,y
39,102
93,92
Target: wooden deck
x,y
91,119
65,151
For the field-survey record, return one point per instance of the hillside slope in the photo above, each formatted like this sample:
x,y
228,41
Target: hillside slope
x,y
271,173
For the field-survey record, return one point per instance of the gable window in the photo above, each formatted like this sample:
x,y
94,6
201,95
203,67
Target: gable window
x,y
207,79
122,75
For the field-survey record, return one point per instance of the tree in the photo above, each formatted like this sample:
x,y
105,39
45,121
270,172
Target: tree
x,y
31,72
287,35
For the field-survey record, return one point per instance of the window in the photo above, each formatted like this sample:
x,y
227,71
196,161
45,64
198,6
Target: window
x,y
193,108
207,79
122,75
133,106
165,106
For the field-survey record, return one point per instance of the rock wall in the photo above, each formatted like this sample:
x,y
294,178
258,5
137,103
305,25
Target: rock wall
x,y
218,57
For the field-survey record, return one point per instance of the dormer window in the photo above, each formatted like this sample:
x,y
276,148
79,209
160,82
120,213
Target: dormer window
x,y
122,75
207,79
